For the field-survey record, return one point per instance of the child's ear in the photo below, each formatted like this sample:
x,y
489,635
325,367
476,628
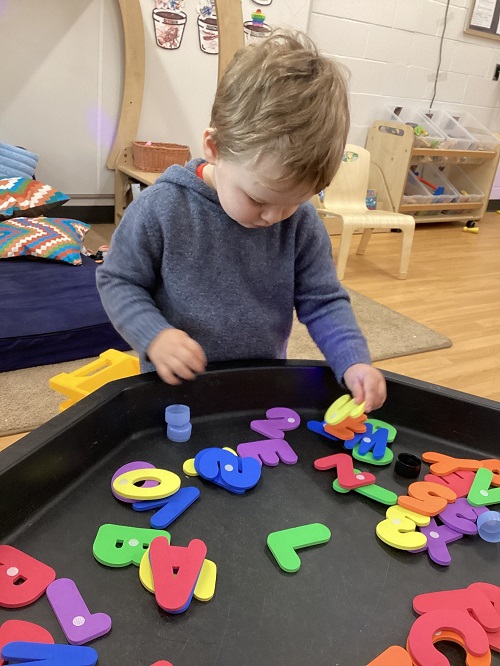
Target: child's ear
x,y
209,148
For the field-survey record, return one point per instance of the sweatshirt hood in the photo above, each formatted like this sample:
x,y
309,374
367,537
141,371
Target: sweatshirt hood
x,y
186,176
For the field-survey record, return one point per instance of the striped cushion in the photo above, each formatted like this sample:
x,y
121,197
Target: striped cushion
x,y
27,197
47,237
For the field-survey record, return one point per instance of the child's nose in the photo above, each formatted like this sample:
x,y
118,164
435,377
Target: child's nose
x,y
272,215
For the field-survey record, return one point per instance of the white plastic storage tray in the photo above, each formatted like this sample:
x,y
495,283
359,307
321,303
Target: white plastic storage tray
x,y
457,137
417,192
483,138
467,189
402,114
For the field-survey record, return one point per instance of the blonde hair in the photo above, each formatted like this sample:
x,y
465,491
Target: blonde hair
x,y
283,99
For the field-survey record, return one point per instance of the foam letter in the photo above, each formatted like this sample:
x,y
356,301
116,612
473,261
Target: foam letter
x,y
49,655
420,640
173,507
278,420
78,624
393,656
175,572
268,451
23,579
372,440
345,471
460,482
19,630
398,529
167,483
227,470
438,536
443,465
119,545
461,516
426,498
475,600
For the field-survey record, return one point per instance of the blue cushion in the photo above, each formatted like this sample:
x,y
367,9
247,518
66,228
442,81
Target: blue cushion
x,y
51,312
15,161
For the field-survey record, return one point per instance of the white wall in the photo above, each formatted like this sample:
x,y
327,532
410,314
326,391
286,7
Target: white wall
x,y
391,49
62,80
61,87
180,84
62,74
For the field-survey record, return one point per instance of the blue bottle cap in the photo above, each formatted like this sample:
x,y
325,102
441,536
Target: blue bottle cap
x,y
177,415
488,526
179,433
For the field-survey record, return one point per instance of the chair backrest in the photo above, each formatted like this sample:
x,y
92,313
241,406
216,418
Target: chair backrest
x,y
347,191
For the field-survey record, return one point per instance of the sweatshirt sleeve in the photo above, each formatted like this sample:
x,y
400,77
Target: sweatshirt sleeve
x,y
322,304
127,279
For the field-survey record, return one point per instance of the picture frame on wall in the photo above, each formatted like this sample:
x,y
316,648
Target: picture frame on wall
x,y
483,19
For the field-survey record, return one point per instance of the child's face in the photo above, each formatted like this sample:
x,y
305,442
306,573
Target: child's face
x,y
251,198
249,195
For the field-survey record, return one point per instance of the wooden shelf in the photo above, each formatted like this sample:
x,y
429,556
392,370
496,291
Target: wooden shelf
x,y
406,208
125,174
454,154
392,150
422,219
146,177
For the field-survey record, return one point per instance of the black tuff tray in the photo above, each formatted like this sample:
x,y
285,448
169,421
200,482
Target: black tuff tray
x,y
351,598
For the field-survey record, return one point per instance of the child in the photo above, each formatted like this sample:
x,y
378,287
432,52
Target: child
x,y
210,261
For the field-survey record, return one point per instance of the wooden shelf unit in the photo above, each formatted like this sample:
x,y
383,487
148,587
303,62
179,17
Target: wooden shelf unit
x,y
231,38
126,174
392,150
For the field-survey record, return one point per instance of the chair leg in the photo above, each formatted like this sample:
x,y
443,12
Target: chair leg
x,y
345,244
367,234
406,245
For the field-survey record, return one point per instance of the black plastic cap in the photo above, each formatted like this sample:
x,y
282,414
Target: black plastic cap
x,y
408,465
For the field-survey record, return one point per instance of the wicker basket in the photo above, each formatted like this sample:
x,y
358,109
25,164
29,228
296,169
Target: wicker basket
x,y
157,157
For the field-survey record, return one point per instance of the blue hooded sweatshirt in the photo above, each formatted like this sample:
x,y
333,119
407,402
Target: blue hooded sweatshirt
x,y
177,260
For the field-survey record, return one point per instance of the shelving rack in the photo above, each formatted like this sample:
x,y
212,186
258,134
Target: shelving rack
x,y
392,150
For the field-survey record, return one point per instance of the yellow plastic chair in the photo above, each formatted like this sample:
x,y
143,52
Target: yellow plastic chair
x,y
111,364
345,198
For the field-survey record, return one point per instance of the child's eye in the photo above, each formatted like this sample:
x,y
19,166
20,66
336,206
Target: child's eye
x,y
255,203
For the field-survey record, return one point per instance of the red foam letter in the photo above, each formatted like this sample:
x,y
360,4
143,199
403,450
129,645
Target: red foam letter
x,y
420,639
345,471
22,578
175,572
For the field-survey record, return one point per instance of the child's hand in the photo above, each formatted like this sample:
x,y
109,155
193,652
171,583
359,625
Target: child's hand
x,y
367,384
176,356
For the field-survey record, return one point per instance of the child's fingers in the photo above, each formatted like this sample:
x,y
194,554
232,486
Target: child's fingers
x,y
181,369
198,360
375,393
357,391
167,375
193,358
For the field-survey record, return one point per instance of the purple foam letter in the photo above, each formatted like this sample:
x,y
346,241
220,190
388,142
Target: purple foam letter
x,y
277,420
461,516
78,624
268,451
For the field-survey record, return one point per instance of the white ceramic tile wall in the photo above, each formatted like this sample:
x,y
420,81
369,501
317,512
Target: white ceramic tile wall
x,y
391,48
62,80
63,94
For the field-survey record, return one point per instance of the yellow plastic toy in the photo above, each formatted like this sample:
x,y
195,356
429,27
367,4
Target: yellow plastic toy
x,y
399,528
342,408
126,485
110,365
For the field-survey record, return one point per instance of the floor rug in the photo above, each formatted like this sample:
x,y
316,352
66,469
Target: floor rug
x,y
27,401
